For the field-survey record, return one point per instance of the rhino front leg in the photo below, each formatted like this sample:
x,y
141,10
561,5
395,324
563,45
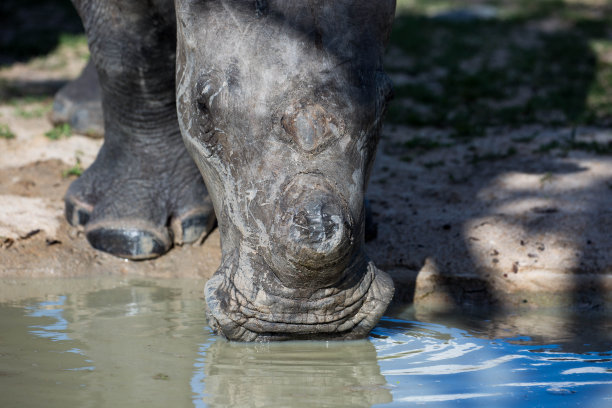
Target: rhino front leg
x,y
143,192
281,104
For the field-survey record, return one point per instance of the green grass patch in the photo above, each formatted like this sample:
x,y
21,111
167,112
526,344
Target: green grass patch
x,y
423,6
75,170
76,42
507,71
72,40
5,132
59,131
491,76
32,112
31,107
28,100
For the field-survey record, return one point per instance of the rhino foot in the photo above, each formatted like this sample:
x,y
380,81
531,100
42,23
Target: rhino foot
x,y
139,212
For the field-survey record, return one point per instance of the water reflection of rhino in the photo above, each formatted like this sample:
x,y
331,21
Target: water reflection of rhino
x,y
144,343
296,374
159,329
157,326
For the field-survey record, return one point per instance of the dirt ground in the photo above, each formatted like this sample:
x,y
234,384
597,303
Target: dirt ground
x,y
512,219
36,241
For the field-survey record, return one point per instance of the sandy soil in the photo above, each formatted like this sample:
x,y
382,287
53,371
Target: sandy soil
x,y
35,241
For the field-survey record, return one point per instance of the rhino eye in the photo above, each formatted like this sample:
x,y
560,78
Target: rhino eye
x,y
206,131
205,91
202,96
203,106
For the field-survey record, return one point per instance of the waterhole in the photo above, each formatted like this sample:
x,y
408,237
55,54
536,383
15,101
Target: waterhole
x,y
130,343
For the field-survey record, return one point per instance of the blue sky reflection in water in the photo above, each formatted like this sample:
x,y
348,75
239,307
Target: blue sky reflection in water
x,y
130,343
436,365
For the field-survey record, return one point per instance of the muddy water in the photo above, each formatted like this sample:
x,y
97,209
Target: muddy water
x,y
126,343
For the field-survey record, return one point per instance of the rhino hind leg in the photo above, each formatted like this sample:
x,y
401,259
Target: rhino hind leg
x,y
143,193
79,104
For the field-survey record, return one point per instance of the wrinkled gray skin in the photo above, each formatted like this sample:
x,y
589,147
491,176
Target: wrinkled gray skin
x,y
280,104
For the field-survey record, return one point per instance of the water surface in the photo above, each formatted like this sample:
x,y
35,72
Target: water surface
x,y
127,343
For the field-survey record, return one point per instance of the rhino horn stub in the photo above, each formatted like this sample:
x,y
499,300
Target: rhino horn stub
x,y
310,127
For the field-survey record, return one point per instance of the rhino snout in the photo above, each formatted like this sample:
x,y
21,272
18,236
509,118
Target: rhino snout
x,y
319,232
313,234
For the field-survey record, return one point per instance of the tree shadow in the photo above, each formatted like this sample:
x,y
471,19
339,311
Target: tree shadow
x,y
30,29
458,85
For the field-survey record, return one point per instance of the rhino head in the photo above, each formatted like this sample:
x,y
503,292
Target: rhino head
x,y
281,105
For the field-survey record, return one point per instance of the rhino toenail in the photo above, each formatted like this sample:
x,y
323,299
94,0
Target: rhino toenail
x,y
75,215
125,243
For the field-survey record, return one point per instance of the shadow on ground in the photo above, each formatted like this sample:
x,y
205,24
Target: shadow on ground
x,y
505,182
31,29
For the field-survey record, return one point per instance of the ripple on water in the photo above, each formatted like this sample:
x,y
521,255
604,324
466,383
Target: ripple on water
x,y
431,363
135,343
